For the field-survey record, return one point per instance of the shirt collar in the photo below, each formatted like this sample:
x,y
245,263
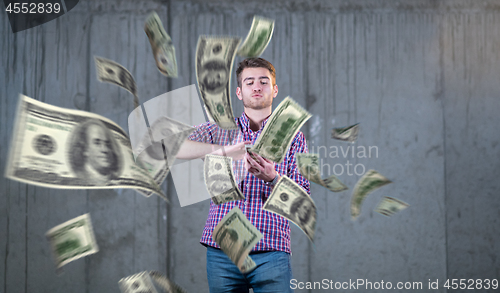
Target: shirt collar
x,y
245,122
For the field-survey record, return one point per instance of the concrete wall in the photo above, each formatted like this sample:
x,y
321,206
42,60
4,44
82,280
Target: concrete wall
x,y
421,78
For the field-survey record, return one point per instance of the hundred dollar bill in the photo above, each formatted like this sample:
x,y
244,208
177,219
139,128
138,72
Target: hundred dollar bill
x,y
220,180
72,240
248,265
209,116
214,63
236,236
163,282
349,133
280,130
162,46
112,72
309,167
167,136
172,132
154,161
258,37
388,206
138,283
289,200
72,149
366,184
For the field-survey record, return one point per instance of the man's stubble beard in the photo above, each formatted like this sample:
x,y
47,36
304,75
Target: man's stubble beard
x,y
257,104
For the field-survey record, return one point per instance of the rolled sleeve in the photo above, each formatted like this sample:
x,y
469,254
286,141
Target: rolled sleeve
x,y
203,133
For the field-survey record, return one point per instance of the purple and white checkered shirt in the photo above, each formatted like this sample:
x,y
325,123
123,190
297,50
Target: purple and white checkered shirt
x,y
274,228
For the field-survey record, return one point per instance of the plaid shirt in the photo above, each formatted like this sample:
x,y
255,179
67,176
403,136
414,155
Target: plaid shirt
x,y
274,228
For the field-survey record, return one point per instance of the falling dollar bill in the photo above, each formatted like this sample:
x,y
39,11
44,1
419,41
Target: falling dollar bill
x,y
112,72
164,283
167,135
388,206
334,184
248,265
220,180
349,133
366,184
144,282
72,149
169,130
155,162
172,132
309,167
162,46
209,116
281,128
236,236
214,63
289,200
72,240
138,283
258,37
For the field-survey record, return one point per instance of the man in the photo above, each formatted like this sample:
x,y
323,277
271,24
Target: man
x,y
93,154
256,89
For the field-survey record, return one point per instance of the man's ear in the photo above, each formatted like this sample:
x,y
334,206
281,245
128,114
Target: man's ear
x,y
238,93
275,91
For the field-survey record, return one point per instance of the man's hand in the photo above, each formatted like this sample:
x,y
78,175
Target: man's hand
x,y
261,168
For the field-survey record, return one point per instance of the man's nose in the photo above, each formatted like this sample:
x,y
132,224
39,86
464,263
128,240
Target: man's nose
x,y
257,88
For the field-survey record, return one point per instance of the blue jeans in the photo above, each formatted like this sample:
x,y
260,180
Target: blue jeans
x,y
272,274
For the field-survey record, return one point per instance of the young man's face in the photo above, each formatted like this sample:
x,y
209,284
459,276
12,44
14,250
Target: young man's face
x,y
257,91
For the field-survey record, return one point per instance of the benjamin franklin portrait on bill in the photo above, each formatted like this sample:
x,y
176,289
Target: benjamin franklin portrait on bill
x,y
93,153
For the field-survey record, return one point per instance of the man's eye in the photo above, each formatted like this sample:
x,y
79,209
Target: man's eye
x,y
263,82
249,83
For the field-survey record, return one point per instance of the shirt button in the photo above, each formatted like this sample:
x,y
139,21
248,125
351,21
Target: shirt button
x,y
248,185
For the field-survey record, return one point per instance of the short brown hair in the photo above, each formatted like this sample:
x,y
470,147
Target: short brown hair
x,y
254,63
